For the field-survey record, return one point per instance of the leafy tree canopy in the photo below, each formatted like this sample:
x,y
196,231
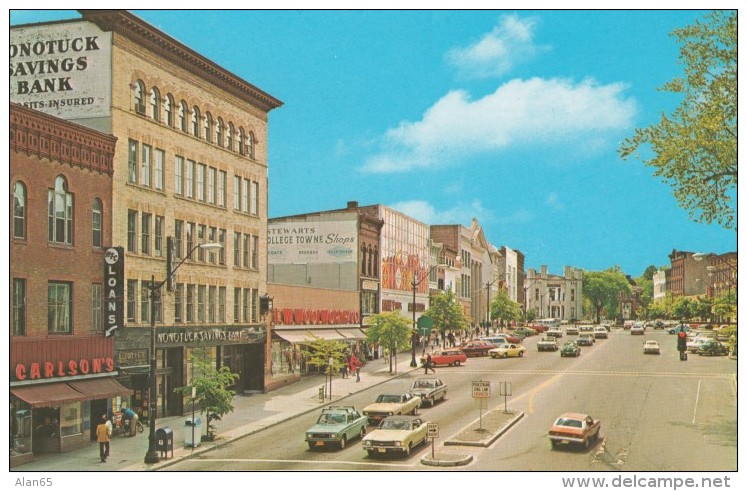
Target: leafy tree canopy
x,y
446,312
603,288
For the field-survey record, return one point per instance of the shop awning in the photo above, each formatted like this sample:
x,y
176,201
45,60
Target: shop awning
x,y
329,334
352,333
100,388
294,336
48,395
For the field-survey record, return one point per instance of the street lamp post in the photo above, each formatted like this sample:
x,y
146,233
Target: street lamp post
x,y
415,284
151,457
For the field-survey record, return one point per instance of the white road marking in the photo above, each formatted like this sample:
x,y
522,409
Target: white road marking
x,y
314,462
697,397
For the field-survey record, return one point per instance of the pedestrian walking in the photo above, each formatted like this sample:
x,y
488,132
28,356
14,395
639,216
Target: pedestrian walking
x,y
109,427
355,365
103,436
429,364
344,368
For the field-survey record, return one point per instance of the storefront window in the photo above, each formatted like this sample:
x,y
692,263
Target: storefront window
x,y
20,427
286,358
72,417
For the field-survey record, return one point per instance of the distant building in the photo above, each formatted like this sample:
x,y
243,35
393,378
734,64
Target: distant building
x,y
555,296
660,284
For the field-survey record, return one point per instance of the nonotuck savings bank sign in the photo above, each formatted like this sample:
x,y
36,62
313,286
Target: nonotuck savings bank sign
x,y
61,69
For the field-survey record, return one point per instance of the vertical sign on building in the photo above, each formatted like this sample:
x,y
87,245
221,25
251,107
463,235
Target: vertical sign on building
x,y
113,289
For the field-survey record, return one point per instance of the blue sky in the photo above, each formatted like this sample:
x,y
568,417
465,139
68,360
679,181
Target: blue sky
x,y
512,117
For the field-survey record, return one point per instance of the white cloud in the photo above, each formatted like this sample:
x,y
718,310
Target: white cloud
x,y
462,213
520,112
496,53
553,201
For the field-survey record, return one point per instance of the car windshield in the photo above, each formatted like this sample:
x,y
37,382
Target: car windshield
x,y
396,424
387,398
423,384
573,423
332,419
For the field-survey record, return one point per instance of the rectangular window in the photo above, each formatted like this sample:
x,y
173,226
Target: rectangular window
x,y
97,312
222,304
236,193
245,306
201,168
131,231
179,175
131,300
158,172
201,304
190,234
144,303
237,305
222,251
146,165
201,231
178,307
222,181
212,237
97,223
237,249
255,305
212,299
59,308
245,195
190,304
189,179
255,252
178,231
145,233
19,307
158,238
132,161
211,185
254,204
245,245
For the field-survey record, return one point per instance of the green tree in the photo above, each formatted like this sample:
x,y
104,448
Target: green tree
x,y
320,351
682,308
392,331
603,289
695,148
446,312
504,309
211,384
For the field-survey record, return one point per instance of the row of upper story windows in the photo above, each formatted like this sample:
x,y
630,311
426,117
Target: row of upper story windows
x,y
60,216
180,116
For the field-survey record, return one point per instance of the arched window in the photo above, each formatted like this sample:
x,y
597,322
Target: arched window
x,y
19,211
219,132
250,144
195,122
139,97
208,128
182,116
60,209
376,262
168,106
229,136
241,142
155,104
370,261
363,259
97,222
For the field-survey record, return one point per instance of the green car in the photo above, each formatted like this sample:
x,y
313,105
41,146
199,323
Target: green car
x,y
712,347
524,332
336,426
570,348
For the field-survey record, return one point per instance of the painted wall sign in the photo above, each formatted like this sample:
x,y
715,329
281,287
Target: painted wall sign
x,y
319,242
62,69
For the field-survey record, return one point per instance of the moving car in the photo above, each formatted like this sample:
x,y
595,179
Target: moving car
x,y
392,405
450,356
554,332
525,331
476,348
638,328
651,347
712,347
571,330
586,328
676,329
507,349
570,348
501,338
574,428
396,434
547,344
429,389
336,426
600,333
586,340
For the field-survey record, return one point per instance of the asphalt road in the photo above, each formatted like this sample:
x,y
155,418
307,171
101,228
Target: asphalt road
x,y
658,414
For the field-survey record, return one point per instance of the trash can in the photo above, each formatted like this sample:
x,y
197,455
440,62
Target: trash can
x,y
165,441
192,432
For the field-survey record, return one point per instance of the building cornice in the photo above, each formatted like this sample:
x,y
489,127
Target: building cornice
x,y
140,32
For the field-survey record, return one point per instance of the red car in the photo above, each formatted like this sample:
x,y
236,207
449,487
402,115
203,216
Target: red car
x,y
476,348
451,356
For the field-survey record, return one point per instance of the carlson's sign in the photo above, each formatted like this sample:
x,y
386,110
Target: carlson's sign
x,y
113,289
315,316
56,369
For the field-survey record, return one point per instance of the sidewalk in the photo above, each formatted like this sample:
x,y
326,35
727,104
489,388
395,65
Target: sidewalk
x,y
251,414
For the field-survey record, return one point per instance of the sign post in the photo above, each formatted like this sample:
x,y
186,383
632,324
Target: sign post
x,y
481,392
433,434
505,390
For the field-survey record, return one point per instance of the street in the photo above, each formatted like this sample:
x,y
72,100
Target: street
x,y
657,413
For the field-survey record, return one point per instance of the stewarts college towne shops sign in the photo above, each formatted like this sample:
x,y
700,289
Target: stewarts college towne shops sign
x,y
62,69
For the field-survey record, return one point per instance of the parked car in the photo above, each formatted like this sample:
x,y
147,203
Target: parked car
x,y
586,340
694,344
525,332
476,348
507,349
586,328
571,330
600,333
712,347
450,356
501,338
336,426
574,428
547,344
396,434
570,348
429,389
638,329
651,346
677,329
554,332
391,405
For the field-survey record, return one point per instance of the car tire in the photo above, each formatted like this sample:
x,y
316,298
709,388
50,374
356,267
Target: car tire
x,y
505,355
415,410
521,353
362,433
343,442
371,453
553,444
457,363
311,445
408,449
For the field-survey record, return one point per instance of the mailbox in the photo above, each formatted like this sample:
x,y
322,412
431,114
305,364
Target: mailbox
x,y
165,441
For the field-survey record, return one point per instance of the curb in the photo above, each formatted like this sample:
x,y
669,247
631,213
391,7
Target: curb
x,y
489,441
449,461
